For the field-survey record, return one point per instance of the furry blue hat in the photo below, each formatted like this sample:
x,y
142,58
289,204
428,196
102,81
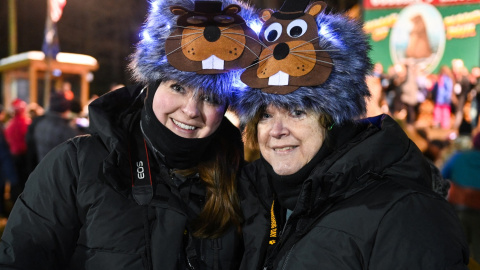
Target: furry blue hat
x,y
311,60
200,44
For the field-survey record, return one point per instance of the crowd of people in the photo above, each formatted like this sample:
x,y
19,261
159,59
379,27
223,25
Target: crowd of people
x,y
448,99
29,132
159,181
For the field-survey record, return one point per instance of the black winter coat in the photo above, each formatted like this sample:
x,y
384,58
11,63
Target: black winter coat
x,y
368,205
77,210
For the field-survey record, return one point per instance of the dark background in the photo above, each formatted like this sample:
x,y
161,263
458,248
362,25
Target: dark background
x,y
104,29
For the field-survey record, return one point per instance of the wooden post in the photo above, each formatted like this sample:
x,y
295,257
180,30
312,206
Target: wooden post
x,y
84,91
48,82
12,27
7,90
32,79
48,62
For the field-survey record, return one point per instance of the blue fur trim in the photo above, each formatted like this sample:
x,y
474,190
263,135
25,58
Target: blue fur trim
x,y
343,95
149,63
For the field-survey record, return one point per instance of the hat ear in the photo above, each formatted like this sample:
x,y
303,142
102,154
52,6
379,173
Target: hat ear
x,y
315,8
178,10
232,9
265,14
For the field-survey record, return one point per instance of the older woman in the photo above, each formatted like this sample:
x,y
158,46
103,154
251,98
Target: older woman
x,y
332,191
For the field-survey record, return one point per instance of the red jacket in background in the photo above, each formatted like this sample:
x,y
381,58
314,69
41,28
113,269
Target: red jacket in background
x,y
15,133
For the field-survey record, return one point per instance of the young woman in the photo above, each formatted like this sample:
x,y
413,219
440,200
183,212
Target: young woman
x,y
154,185
331,191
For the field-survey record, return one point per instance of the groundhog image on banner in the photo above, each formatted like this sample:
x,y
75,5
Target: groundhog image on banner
x,y
418,44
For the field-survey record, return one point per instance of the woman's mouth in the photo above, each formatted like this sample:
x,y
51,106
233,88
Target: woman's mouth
x,y
182,125
283,149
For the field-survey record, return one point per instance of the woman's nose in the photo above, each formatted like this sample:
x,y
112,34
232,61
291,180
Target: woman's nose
x,y
279,128
191,107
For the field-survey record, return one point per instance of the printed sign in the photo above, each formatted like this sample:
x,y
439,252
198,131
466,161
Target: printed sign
x,y
430,35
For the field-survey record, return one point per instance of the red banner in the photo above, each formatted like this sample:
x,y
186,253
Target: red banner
x,y
379,4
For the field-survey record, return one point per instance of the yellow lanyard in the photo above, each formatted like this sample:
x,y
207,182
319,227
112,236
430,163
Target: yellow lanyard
x,y
273,226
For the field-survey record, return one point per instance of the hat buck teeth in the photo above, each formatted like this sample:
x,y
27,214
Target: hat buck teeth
x,y
213,62
280,78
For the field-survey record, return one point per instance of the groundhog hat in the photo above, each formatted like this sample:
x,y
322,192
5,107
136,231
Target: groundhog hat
x,y
311,60
201,44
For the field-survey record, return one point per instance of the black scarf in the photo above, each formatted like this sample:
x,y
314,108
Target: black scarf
x,y
177,152
288,187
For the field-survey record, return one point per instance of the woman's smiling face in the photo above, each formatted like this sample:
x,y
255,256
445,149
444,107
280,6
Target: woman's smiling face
x,y
288,140
187,113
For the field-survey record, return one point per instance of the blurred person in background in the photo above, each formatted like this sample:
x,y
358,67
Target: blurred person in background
x,y
7,174
410,92
55,127
77,119
476,98
35,110
67,91
442,96
376,104
398,76
463,170
15,132
461,89
3,118
7,170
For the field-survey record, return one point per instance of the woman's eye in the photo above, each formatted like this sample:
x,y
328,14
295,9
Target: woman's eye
x,y
211,100
298,113
266,115
177,88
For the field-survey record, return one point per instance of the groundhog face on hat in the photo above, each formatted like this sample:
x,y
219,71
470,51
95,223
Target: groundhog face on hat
x,y
293,56
209,40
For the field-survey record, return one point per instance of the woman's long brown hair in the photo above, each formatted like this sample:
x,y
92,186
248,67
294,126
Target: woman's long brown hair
x,y
219,173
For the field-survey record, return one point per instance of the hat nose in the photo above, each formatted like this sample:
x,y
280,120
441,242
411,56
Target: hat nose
x,y
211,33
281,51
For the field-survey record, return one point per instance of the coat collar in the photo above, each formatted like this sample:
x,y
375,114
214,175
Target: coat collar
x,y
112,116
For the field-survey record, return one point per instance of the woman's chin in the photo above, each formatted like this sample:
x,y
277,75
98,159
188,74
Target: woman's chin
x,y
285,169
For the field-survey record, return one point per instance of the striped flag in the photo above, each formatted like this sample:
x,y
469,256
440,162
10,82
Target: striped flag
x,y
51,45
